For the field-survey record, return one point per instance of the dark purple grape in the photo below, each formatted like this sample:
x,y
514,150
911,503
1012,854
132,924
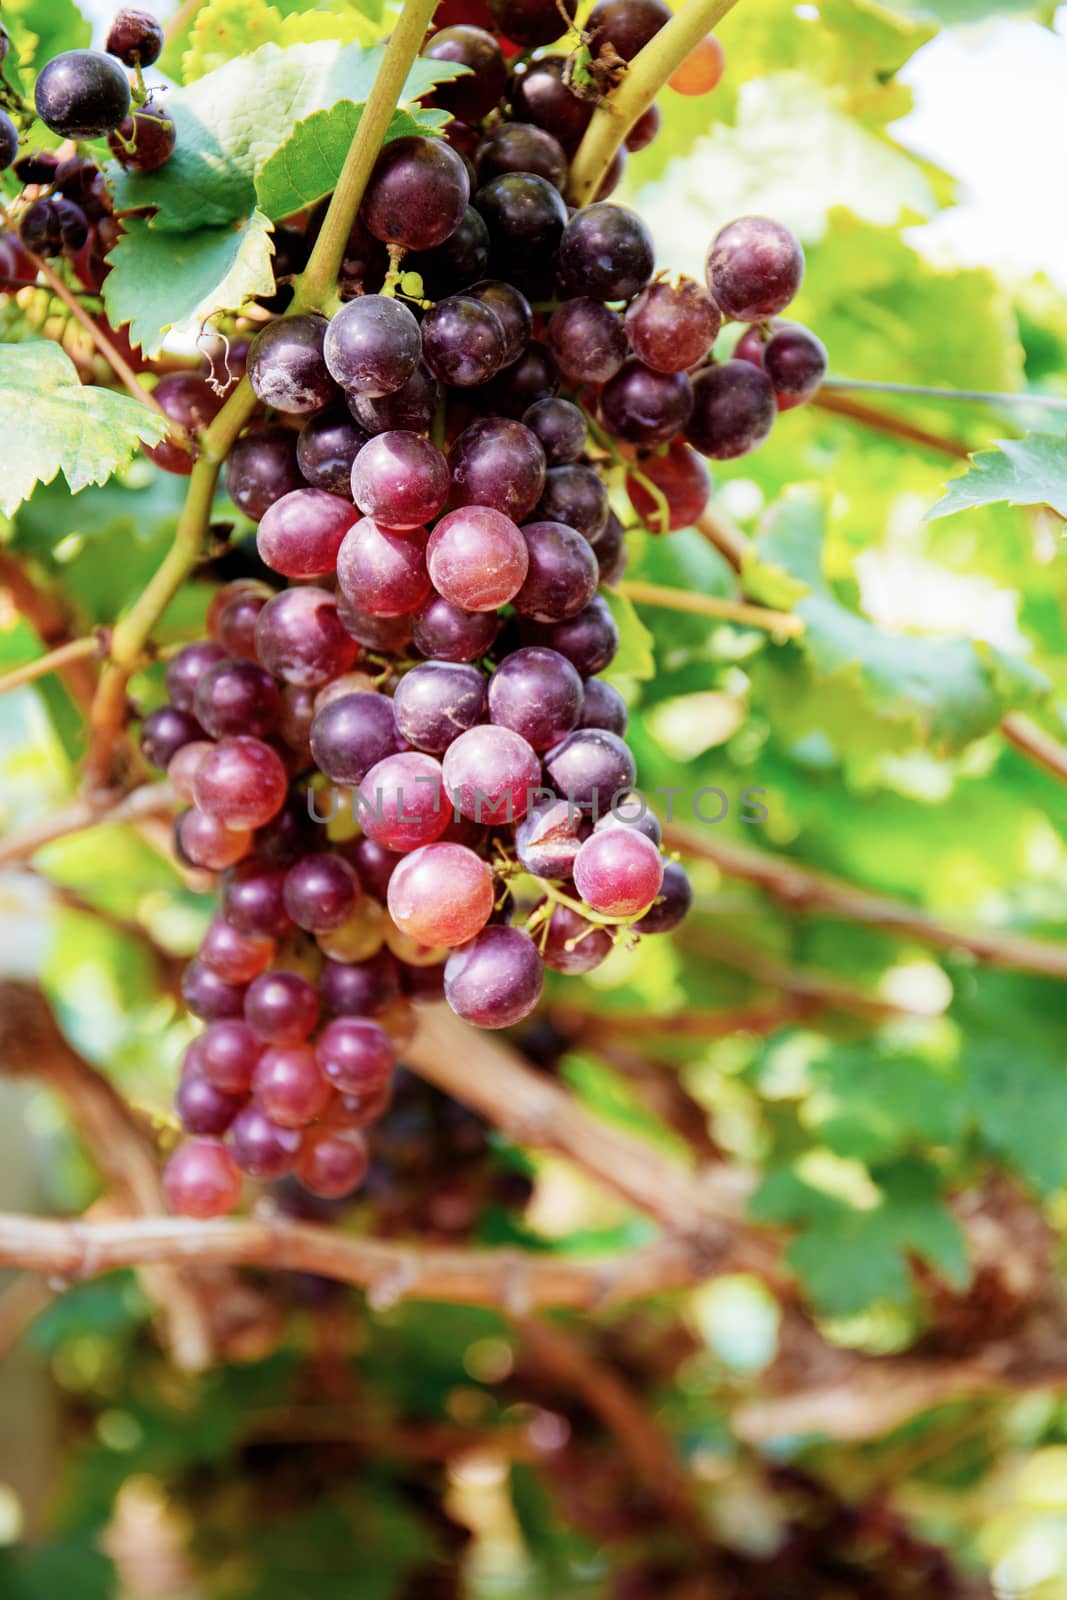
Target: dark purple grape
x,y
540,95
532,22
207,996
326,447
644,130
237,697
526,216
445,632
673,326
536,693
606,252
253,899
163,732
400,479
733,410
82,94
646,407
261,468
588,340
235,623
604,707
287,368
435,702
631,811
372,346
572,943
390,635
575,494
521,147
353,733
291,251
463,341
374,864
795,361
474,95
590,767
202,1108
355,1054
144,140
300,637
261,1148
496,979
287,836
136,37
412,406
417,194
321,891
548,838
562,574
754,268
187,667
498,463
362,988
189,401
513,309
560,427
589,640
613,177
457,263
627,25
671,905
610,551
534,376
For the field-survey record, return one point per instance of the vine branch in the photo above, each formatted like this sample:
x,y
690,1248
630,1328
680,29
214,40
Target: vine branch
x,y
52,661
644,78
786,623
888,423
1033,742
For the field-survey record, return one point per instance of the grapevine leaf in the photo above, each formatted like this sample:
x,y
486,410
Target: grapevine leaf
x,y
634,658
65,426
1018,1098
1023,472
231,121
308,165
225,29
160,281
848,1257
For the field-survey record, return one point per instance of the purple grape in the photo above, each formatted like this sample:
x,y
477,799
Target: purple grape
x,y
241,782
412,406
604,707
588,340
646,407
289,835
281,1007
372,347
200,1179
435,702
671,905
795,361
498,463
289,1086
382,571
496,979
402,803
261,468
390,635
321,892
521,147
609,548
562,574
491,775
534,376
627,25
560,427
145,140
187,667
473,96
300,534
618,872
644,130
300,638
589,640
606,252
547,839
253,900
541,95
513,309
286,367
477,558
164,732
400,479
574,494
673,326
445,632
754,268
362,989
417,194
536,693
207,996
532,22
457,263
227,1053
261,1148
526,217
326,448
631,811
202,1108
590,767
136,37
237,697
572,943
463,341
352,734
374,865
733,410
355,1054
81,94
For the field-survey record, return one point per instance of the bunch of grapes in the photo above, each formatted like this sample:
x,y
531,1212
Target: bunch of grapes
x,y
430,472
65,207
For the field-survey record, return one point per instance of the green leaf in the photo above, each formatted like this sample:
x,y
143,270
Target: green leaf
x,y
1023,472
75,1567
1018,1098
160,281
634,658
850,1257
225,29
230,122
308,165
64,426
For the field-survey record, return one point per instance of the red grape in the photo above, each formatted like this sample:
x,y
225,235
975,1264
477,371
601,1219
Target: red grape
x,y
201,1180
300,534
441,894
618,872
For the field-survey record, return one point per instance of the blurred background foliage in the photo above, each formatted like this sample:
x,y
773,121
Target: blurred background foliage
x,y
425,1451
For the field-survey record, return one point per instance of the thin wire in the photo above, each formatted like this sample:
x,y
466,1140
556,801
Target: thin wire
x,y
979,396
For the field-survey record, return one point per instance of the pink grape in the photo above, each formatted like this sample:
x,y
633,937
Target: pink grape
x,y
201,1180
181,769
441,894
356,1054
477,558
300,534
289,1086
227,1055
402,803
491,774
400,479
333,1161
618,872
205,841
281,1007
242,783
382,571
233,956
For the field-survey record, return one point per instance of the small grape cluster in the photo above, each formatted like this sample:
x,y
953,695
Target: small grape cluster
x,y
84,94
431,475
